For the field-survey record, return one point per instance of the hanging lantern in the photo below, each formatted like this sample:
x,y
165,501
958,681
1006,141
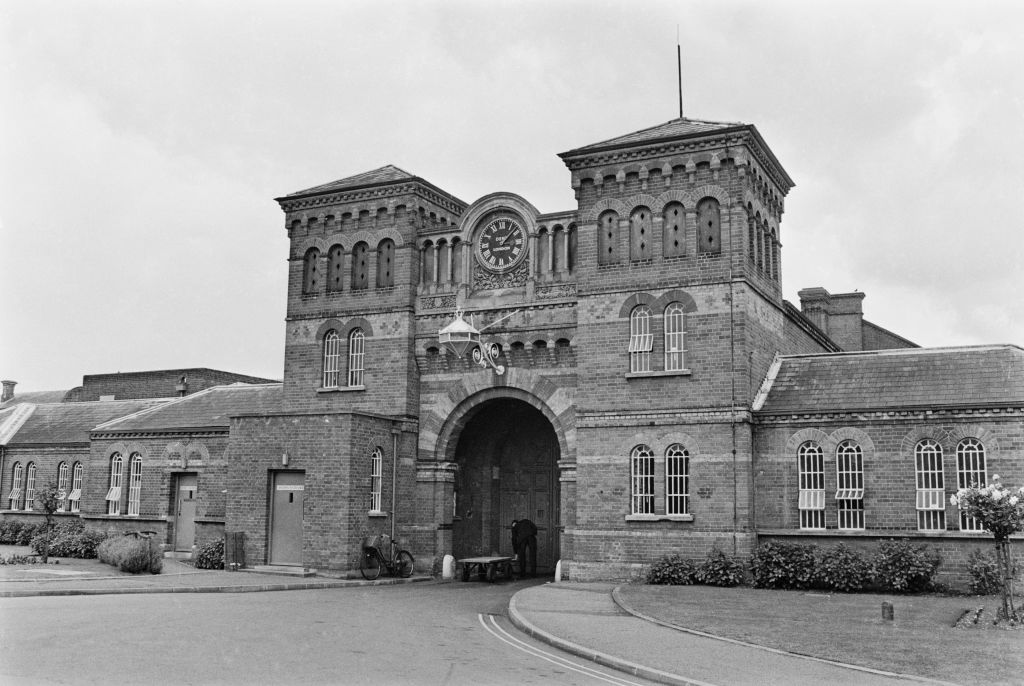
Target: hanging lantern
x,y
459,336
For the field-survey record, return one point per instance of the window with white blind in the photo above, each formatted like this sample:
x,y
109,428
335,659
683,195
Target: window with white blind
x,y
75,496
641,464
114,491
850,485
14,497
62,486
641,340
134,484
811,499
30,486
970,471
931,486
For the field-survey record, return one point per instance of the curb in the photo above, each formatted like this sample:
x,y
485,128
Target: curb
x,y
597,656
626,607
251,588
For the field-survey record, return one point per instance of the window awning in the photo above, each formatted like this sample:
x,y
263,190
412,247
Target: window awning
x,y
114,493
812,499
641,343
931,499
850,494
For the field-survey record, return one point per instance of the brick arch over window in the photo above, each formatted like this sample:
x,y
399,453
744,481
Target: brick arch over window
x,y
604,204
675,296
707,191
318,243
804,435
445,421
126,448
986,436
344,327
850,434
910,440
638,299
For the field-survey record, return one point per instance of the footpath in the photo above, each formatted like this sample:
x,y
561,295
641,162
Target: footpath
x,y
592,621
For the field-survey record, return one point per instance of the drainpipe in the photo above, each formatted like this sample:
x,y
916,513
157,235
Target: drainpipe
x,y
394,479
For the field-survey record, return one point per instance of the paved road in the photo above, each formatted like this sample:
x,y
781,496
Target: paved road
x,y
411,634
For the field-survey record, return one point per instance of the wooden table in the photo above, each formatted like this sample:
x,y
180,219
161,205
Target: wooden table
x,y
488,568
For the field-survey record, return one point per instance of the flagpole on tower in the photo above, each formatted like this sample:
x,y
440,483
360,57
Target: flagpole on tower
x,y
679,66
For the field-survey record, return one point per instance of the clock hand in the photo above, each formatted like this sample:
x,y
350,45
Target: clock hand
x,y
507,236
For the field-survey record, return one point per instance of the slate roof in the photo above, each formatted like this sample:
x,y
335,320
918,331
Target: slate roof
x,y
69,423
387,174
207,409
675,128
898,379
36,397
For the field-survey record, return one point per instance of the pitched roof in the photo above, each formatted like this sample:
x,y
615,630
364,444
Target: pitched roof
x,y
207,409
36,397
387,174
675,128
64,423
897,380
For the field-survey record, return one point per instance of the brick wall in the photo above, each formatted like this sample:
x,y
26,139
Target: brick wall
x,y
153,384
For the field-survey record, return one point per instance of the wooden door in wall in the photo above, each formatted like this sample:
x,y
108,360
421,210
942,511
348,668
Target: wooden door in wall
x,y
287,495
527,493
185,512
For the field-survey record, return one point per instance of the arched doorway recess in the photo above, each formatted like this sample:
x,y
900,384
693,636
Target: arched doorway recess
x,y
507,455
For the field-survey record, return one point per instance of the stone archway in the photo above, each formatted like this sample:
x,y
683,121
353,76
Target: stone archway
x,y
507,454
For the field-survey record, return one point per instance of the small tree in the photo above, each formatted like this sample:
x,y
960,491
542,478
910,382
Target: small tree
x,y
48,497
1001,512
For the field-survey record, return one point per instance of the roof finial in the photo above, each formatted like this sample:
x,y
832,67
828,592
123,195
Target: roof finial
x,y
679,65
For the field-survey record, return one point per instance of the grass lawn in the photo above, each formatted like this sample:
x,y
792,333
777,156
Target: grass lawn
x,y
921,640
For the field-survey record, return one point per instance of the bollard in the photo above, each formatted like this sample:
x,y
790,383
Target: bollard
x,y
448,567
887,611
558,571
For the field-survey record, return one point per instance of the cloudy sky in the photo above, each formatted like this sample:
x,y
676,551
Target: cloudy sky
x,y
142,144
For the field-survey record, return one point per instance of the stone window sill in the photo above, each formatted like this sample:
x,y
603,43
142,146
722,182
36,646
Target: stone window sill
x,y
659,518
645,375
376,513
341,389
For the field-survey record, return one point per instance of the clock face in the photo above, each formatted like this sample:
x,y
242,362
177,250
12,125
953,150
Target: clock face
x,y
502,244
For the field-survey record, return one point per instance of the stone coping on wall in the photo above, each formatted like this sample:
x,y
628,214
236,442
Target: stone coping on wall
x,y
881,533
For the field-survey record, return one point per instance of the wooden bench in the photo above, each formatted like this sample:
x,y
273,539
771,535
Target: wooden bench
x,y
488,568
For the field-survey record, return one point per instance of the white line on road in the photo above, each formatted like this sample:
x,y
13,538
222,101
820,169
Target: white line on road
x,y
505,637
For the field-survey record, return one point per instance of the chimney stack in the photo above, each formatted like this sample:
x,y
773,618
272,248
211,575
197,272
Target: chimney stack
x,y
8,393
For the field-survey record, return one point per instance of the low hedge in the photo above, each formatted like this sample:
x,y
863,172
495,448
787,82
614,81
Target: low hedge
x,y
131,554
69,539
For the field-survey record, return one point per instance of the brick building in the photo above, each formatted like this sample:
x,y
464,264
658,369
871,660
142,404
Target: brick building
x,y
647,391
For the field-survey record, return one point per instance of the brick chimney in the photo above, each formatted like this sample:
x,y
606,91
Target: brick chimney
x,y
8,393
841,316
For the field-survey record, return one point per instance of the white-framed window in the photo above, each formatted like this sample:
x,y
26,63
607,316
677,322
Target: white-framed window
x,y
675,333
641,465
677,480
75,496
114,492
931,486
641,340
970,471
355,357
376,479
332,359
134,484
811,499
850,485
30,486
14,498
62,486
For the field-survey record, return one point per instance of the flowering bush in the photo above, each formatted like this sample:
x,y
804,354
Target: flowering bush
x,y
1000,511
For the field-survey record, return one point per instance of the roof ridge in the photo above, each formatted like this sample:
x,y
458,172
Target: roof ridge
x,y
909,351
147,410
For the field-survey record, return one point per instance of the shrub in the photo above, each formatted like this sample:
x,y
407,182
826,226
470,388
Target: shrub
x,y
10,531
986,578
210,556
783,565
720,569
20,560
672,570
902,567
843,569
70,539
131,554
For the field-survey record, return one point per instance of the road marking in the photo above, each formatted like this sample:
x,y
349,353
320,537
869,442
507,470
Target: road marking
x,y
507,638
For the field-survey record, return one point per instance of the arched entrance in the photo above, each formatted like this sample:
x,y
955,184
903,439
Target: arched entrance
x,y
507,456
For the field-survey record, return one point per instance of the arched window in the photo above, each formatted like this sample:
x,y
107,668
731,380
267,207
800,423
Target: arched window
x,y
543,252
641,340
641,464
385,263
970,471
134,484
355,357
811,501
332,359
457,248
709,226
310,271
444,261
570,258
427,266
640,234
14,497
850,483
360,276
675,332
114,492
376,479
931,486
559,248
677,480
75,497
775,255
608,238
30,486
672,231
62,486
335,268
751,239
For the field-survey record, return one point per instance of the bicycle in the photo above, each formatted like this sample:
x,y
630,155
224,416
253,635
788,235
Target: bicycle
x,y
396,561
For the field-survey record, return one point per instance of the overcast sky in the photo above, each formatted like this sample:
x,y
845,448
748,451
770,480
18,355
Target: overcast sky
x,y
142,144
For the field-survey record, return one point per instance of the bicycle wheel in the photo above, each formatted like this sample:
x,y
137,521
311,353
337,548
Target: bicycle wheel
x,y
403,564
369,564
